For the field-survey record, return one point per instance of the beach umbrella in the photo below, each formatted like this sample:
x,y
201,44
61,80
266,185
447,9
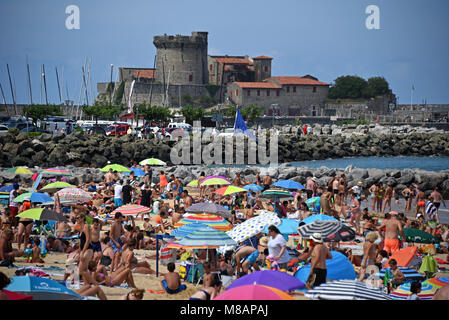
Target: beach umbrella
x,y
152,162
18,170
56,172
338,268
42,214
7,188
212,208
229,190
42,288
418,236
289,184
275,194
409,274
344,234
131,210
115,167
315,217
198,235
56,186
74,195
253,226
428,289
16,296
271,278
34,197
287,226
314,204
211,220
137,172
346,290
253,292
326,228
214,181
193,183
253,187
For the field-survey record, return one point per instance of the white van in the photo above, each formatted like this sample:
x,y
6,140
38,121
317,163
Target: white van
x,y
178,125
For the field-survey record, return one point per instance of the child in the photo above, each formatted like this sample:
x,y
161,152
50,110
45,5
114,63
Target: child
x,y
36,252
207,277
398,276
172,282
415,288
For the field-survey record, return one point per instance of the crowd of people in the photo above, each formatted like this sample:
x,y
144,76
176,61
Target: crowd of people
x,y
101,246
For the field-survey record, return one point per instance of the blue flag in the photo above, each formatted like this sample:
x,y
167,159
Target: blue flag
x,y
240,126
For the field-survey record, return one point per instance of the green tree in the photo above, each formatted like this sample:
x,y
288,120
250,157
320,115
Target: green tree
x,y
348,87
154,113
39,112
379,86
192,113
103,111
186,98
251,112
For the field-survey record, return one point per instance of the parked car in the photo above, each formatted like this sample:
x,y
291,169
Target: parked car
x,y
117,130
96,130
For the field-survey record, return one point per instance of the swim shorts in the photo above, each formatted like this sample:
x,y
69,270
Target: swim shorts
x,y
252,258
170,291
96,246
391,245
118,202
114,246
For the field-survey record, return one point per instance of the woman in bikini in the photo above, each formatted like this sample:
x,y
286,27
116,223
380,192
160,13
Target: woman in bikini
x,y
208,293
369,253
379,197
25,225
100,274
86,252
373,191
407,193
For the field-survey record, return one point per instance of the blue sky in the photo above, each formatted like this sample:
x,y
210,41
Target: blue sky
x,y
324,38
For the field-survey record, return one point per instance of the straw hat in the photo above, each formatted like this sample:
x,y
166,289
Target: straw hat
x,y
263,241
316,237
360,183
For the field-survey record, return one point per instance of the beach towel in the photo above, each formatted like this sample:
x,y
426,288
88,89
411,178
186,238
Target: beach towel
x,y
440,261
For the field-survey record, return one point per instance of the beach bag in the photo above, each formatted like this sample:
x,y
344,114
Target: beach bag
x,y
167,255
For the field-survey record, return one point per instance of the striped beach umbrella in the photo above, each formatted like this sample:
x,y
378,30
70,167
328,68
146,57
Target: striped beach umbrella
x,y
200,235
211,220
42,214
325,228
345,290
229,190
56,172
56,186
74,195
214,181
253,226
275,194
315,217
409,274
131,210
428,289
19,170
115,167
152,162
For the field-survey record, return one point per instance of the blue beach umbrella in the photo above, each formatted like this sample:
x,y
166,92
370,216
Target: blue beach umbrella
x,y
137,172
289,184
338,268
314,204
315,217
7,188
253,187
42,288
34,197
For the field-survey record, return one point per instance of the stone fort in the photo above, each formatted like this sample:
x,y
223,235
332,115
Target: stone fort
x,y
184,68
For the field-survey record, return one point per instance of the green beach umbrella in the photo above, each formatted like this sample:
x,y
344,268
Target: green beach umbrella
x,y
230,190
19,170
55,186
418,236
115,167
152,162
42,214
193,183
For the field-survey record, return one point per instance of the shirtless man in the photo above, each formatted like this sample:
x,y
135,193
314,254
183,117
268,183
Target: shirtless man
x,y
116,241
392,229
177,215
267,181
109,179
188,200
207,276
420,200
319,255
249,256
437,198
172,281
398,276
6,251
96,245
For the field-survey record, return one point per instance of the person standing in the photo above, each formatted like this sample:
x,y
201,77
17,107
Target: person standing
x,y
86,251
118,194
407,193
277,247
392,229
14,206
389,194
437,198
267,181
433,218
127,191
146,196
420,200
309,187
318,267
355,213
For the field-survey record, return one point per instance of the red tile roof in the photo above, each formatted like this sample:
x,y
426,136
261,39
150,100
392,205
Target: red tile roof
x,y
145,73
297,81
257,85
232,61
262,58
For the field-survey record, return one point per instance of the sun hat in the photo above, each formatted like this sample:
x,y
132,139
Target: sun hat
x,y
360,183
263,241
316,237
